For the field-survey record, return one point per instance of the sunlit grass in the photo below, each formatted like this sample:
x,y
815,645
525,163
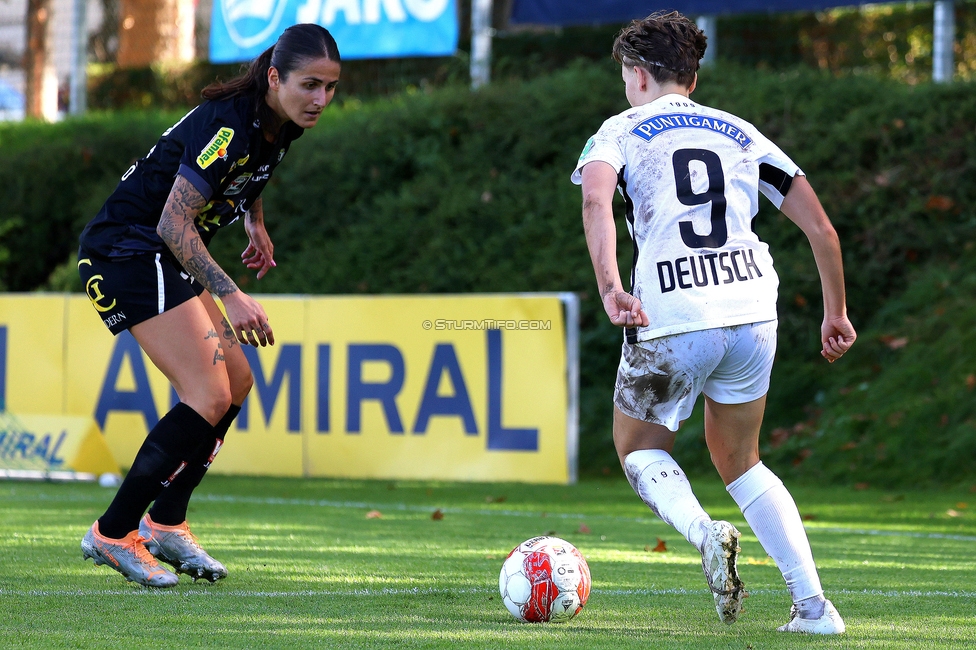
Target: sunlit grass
x,y
308,569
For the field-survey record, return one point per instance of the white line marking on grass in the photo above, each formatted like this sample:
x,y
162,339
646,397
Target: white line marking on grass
x,y
766,592
893,533
402,507
522,513
206,592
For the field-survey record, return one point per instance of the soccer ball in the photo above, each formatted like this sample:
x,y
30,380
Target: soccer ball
x,y
544,579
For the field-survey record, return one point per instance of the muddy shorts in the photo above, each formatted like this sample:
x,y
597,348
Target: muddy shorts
x,y
129,291
659,381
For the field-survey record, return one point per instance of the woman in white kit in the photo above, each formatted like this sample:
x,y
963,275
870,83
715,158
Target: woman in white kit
x,y
701,315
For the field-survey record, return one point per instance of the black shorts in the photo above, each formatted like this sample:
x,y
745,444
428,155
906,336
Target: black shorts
x,y
129,291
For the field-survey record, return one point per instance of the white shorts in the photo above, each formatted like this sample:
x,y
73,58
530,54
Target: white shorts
x,y
659,381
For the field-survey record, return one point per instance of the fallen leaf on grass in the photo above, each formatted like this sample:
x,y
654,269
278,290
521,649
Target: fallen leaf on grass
x,y
660,548
940,203
894,342
861,486
962,505
802,455
437,515
584,529
809,517
374,514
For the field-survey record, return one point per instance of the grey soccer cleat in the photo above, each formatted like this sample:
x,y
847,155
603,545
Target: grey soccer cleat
x,y
829,623
128,556
177,546
719,554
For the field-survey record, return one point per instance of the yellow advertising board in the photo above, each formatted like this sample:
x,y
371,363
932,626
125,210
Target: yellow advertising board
x,y
54,443
467,387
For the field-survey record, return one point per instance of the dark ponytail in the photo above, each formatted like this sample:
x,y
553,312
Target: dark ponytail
x,y
296,45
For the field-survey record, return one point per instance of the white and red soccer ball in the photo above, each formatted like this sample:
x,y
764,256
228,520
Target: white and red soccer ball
x,y
544,579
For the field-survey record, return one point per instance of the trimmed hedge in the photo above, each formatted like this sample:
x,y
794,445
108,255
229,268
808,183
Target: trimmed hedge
x,y
901,411
56,177
459,191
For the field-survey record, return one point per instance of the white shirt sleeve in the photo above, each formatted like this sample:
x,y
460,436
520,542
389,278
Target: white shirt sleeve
x,y
769,184
606,145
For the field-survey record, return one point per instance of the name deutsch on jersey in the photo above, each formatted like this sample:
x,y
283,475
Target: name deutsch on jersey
x,y
725,267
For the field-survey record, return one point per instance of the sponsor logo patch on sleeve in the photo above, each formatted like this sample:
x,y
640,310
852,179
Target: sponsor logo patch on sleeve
x,y
217,148
587,148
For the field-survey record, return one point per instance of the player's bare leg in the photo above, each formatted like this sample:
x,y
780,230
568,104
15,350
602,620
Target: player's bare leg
x,y
644,451
177,341
198,371
732,435
183,343
238,370
165,526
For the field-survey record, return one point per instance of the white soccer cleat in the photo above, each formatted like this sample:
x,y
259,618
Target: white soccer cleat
x,y
177,546
829,623
719,555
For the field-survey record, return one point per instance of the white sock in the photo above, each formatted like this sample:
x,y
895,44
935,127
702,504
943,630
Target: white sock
x,y
661,484
772,514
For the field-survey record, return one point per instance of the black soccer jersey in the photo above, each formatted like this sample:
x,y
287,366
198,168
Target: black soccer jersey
x,y
219,148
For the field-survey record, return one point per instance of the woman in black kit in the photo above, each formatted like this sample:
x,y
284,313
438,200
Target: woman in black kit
x,y
146,269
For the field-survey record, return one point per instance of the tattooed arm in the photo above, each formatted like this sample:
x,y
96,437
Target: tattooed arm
x,y
177,228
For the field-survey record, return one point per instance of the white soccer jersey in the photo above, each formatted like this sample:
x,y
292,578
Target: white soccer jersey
x,y
691,177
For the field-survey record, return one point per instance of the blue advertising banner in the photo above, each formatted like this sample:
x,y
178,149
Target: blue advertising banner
x,y
594,12
364,29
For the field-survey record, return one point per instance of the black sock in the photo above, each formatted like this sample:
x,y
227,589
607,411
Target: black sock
x,y
170,506
160,460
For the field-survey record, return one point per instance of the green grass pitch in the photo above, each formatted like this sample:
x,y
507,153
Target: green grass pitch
x,y
309,569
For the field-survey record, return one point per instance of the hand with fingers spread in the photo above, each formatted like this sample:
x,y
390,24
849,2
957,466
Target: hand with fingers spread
x,y
837,335
259,253
624,309
254,258
248,319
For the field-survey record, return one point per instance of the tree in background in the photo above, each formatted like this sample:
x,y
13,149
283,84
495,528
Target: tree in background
x,y
156,31
37,61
